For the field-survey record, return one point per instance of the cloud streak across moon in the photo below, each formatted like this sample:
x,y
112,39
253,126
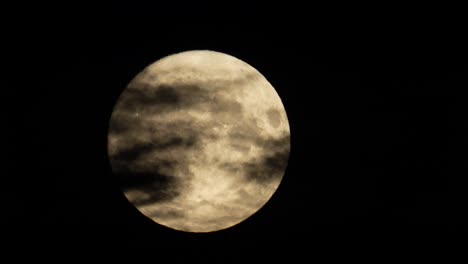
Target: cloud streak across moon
x,y
200,141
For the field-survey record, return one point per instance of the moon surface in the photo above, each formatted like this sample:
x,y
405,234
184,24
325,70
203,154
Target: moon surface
x,y
199,140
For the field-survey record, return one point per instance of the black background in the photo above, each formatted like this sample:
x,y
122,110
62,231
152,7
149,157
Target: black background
x,y
377,116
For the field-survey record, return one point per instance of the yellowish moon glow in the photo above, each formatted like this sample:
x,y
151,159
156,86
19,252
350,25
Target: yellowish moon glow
x,y
200,141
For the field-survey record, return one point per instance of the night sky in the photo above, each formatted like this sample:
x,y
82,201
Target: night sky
x,y
378,129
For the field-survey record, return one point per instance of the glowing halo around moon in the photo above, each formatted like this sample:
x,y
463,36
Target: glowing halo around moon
x,y
199,140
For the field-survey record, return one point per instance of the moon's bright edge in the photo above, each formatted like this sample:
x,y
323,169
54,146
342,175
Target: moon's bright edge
x,y
200,141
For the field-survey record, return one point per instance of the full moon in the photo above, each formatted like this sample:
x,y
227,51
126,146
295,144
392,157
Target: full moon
x,y
199,141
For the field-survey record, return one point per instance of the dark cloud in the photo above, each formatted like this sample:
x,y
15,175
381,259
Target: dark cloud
x,y
166,98
247,132
169,213
149,96
120,123
270,165
132,153
166,95
247,78
161,98
244,148
274,145
152,176
140,137
226,105
244,77
158,187
137,150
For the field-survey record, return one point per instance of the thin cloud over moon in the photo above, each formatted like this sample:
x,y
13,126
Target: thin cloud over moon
x,y
200,141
